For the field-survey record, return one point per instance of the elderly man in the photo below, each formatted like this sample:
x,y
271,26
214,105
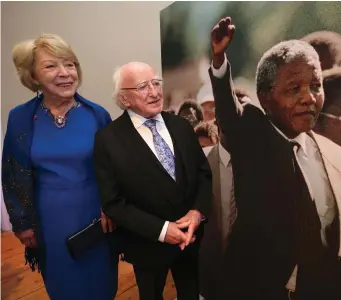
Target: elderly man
x,y
285,242
155,183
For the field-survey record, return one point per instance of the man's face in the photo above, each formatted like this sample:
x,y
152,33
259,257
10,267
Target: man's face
x,y
208,110
147,99
296,98
205,141
57,77
190,115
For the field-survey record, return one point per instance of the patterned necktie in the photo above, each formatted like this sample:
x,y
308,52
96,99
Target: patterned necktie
x,y
164,153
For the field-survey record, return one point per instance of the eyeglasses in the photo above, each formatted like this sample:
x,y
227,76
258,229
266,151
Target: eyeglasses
x,y
143,87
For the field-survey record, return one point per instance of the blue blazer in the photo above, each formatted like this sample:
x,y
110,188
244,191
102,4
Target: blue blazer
x,y
17,171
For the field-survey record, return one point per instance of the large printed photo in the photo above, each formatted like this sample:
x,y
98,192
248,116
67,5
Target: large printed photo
x,y
260,82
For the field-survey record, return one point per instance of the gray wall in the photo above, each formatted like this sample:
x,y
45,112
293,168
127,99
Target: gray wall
x,y
103,35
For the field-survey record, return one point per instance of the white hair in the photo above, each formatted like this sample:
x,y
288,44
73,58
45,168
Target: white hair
x,y
117,80
117,84
277,56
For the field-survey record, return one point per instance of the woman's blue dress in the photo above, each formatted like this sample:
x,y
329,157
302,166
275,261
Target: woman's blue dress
x,y
67,200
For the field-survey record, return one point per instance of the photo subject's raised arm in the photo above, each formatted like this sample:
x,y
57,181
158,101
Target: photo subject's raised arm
x,y
228,108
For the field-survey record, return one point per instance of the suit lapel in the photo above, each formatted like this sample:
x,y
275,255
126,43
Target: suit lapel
x,y
213,159
217,209
332,162
279,153
331,158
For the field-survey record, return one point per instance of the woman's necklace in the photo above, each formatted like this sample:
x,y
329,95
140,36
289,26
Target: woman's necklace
x,y
59,120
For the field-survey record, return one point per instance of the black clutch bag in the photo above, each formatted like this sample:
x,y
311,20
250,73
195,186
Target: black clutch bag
x,y
82,241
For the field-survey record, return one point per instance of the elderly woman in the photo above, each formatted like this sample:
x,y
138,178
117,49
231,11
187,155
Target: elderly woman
x,y
47,172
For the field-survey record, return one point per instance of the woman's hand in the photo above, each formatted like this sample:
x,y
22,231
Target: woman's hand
x,y
107,224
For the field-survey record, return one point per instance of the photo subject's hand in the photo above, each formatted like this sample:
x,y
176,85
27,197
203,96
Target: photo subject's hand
x,y
107,223
174,235
191,221
221,36
27,238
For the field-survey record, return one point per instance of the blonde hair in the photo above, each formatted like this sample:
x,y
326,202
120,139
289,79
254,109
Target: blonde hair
x,y
23,55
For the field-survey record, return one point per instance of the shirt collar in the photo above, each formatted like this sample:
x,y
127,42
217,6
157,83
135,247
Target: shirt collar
x,y
301,138
225,157
139,120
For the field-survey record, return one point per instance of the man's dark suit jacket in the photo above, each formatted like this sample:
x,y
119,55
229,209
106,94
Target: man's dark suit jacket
x,y
139,195
261,255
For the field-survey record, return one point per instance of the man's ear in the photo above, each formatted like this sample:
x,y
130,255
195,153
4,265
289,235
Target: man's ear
x,y
265,100
124,100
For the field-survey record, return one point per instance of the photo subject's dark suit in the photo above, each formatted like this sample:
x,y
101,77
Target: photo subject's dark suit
x,y
263,244
138,193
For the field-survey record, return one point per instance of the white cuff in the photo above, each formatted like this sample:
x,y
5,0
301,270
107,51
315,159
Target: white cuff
x,y
220,73
163,232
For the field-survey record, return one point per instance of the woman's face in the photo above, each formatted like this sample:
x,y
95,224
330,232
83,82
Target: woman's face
x,y
208,108
57,77
190,115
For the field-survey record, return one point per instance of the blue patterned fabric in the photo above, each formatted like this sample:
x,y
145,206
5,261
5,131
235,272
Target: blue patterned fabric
x,y
164,153
67,200
18,182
